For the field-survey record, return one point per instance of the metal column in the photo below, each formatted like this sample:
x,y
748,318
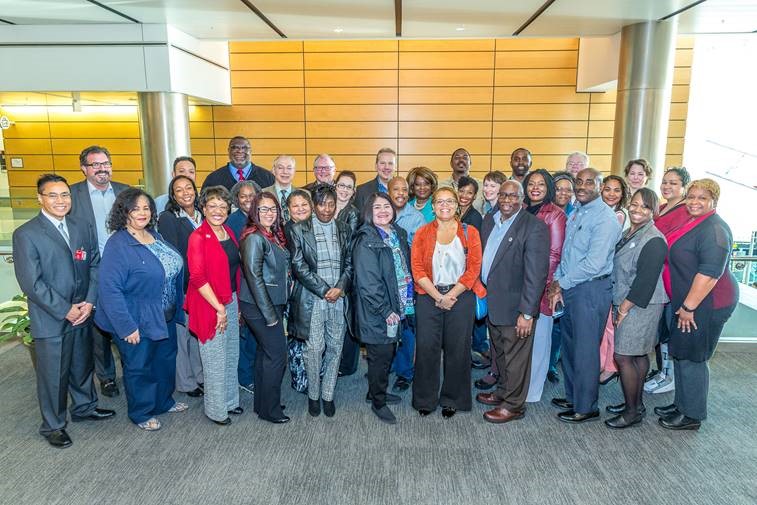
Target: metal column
x,y
645,80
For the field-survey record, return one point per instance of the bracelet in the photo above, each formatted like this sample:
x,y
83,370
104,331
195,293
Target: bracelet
x,y
684,307
624,314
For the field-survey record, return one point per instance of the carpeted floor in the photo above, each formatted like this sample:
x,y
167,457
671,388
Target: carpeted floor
x,y
355,459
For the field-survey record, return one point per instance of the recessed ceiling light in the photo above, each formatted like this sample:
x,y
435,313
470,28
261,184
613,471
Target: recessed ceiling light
x,y
460,28
338,30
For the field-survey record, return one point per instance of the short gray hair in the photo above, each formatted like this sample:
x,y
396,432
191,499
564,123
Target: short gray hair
x,y
237,188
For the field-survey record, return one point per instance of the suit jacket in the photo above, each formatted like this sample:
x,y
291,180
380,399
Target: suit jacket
x,y
222,177
363,191
518,273
272,189
52,275
81,203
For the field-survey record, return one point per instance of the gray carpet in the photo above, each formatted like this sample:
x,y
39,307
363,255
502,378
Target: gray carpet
x,y
354,459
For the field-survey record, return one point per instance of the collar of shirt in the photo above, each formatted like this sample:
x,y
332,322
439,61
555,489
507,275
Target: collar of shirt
x,y
279,189
55,221
591,205
381,186
93,189
245,169
498,221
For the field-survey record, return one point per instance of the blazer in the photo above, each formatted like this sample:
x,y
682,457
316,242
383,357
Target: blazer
x,y
363,191
131,289
208,264
81,203
222,177
266,279
308,285
555,219
376,290
237,221
422,256
52,275
176,231
272,189
518,273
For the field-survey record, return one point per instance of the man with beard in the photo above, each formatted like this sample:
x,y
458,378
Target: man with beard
x,y
91,201
520,163
239,168
324,169
460,163
582,283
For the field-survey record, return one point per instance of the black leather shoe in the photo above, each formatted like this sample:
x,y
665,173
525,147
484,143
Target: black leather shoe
x,y
314,407
329,409
448,412
236,411
96,415
225,422
196,393
553,377
666,410
619,422
483,384
679,422
610,378
562,403
621,407
424,412
390,399
479,363
400,385
280,420
109,388
576,418
59,439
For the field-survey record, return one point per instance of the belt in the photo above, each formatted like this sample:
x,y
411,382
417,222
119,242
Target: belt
x,y
444,289
599,278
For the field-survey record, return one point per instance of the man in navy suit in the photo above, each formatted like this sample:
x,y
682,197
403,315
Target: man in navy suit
x,y
56,260
91,201
239,168
386,165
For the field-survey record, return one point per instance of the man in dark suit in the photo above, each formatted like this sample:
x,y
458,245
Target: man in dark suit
x,y
91,201
514,269
56,260
385,167
239,168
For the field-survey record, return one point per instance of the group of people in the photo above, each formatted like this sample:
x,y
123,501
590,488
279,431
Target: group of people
x,y
206,292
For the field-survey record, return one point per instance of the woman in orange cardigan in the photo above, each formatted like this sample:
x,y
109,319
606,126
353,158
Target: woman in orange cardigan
x,y
446,263
213,260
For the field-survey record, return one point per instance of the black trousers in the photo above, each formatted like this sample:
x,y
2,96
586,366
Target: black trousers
x,y
350,354
64,365
444,334
270,361
380,358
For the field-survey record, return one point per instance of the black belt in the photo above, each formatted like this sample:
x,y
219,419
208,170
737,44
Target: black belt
x,y
445,288
599,278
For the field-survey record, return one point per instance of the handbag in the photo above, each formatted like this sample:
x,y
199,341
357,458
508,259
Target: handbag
x,y
482,307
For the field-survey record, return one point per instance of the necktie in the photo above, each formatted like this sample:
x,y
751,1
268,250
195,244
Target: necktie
x,y
240,174
63,232
284,208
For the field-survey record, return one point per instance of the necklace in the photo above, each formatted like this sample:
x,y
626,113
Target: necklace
x,y
420,207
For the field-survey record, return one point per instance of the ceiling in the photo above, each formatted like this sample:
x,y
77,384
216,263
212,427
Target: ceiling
x,y
349,19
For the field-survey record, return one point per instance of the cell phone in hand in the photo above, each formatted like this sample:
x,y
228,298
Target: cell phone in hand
x,y
559,310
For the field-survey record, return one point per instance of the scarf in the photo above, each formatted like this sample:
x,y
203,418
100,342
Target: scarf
x,y
672,237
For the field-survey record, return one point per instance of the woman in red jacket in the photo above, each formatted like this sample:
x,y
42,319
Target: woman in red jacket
x,y
446,263
213,258
539,195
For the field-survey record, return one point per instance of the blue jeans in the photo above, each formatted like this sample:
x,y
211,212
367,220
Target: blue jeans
x,y
403,364
480,343
248,347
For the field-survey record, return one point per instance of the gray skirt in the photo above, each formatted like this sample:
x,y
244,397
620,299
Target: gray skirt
x,y
637,334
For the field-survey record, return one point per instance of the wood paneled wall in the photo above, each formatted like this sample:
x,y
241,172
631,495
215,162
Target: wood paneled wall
x,y
423,98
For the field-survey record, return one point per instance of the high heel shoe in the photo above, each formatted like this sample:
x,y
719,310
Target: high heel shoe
x,y
609,379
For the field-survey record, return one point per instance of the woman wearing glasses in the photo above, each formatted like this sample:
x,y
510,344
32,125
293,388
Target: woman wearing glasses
x,y
263,295
346,212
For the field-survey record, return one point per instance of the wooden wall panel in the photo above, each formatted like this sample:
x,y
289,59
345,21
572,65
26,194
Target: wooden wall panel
x,y
423,98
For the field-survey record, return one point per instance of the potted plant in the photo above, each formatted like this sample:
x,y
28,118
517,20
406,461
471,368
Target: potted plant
x,y
15,323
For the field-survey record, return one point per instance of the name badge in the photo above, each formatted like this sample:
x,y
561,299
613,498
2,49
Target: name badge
x,y
80,255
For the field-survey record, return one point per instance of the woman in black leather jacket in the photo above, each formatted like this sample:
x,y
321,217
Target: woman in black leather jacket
x,y
345,194
319,308
263,295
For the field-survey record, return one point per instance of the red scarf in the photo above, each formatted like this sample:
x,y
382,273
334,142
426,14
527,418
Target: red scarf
x,y
672,237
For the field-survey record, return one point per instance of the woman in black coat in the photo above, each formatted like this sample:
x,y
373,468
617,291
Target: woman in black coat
x,y
384,288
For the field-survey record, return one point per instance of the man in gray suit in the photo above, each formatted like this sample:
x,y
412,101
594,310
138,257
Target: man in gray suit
x,y
91,201
514,268
283,174
56,260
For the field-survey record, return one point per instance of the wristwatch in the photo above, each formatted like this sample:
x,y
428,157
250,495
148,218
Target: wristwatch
x,y
684,307
527,317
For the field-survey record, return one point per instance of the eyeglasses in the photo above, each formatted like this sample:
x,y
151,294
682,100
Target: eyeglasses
x,y
344,186
267,210
97,164
236,147
448,203
509,196
563,190
327,168
223,208
55,196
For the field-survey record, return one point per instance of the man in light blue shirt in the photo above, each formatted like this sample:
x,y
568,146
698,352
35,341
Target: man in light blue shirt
x,y
582,283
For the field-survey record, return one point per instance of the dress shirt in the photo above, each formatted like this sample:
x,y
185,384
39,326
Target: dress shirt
x,y
57,222
495,239
160,202
247,169
409,219
102,202
589,247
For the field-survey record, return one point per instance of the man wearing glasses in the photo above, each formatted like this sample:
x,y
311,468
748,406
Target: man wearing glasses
x,y
61,293
324,169
239,168
91,201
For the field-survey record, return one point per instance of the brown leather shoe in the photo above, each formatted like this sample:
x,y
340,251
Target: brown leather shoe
x,y
488,399
502,415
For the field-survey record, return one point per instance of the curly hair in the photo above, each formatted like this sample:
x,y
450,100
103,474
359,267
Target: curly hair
x,y
425,173
548,182
215,193
624,191
644,164
126,201
682,174
708,185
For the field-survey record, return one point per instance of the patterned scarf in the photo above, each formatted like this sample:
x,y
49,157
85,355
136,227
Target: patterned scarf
x,y
401,271
328,251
